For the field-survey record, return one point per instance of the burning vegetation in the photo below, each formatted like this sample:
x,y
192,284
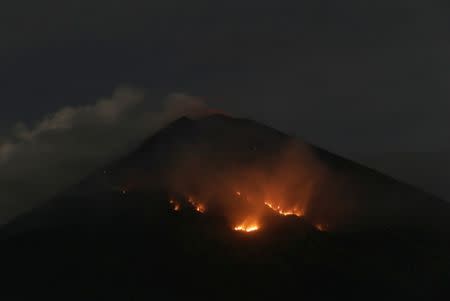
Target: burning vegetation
x,y
175,205
244,190
238,170
321,227
277,208
199,207
247,226
250,223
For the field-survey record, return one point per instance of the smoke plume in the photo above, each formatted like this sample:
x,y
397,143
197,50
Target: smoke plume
x,y
37,163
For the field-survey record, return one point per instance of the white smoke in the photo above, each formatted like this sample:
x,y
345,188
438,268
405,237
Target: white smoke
x,y
38,162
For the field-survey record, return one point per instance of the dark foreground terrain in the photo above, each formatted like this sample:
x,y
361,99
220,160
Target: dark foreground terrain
x,y
137,256
100,242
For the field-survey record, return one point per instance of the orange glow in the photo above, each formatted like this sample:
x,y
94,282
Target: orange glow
x,y
321,227
251,223
234,187
175,205
247,226
277,208
199,207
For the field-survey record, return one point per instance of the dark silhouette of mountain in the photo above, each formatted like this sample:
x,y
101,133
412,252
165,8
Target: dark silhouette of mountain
x,y
427,170
114,235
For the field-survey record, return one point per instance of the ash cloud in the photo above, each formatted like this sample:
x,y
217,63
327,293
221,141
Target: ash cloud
x,y
37,163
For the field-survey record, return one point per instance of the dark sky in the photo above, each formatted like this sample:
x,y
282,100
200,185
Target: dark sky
x,y
360,78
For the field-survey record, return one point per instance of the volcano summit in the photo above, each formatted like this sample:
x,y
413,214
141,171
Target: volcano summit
x,y
222,208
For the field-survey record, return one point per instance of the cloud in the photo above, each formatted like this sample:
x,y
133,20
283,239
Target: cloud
x,y
38,162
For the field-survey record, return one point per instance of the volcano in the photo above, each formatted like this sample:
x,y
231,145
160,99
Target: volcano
x,y
226,208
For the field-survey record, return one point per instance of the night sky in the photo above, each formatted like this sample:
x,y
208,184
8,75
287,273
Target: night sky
x,y
368,80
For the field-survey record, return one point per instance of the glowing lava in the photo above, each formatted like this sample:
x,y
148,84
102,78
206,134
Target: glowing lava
x,y
278,209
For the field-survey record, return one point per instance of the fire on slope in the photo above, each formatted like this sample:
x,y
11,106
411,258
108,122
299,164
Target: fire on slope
x,y
175,205
199,207
247,226
250,221
217,181
277,208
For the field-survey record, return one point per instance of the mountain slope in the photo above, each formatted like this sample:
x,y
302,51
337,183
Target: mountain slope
x,y
115,235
